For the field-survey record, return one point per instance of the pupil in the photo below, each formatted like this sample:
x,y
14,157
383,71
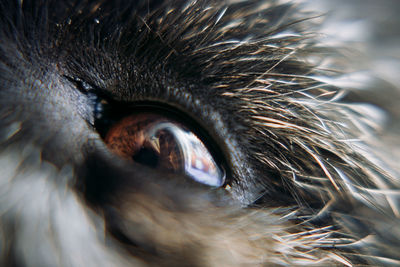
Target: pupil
x,y
146,156
162,143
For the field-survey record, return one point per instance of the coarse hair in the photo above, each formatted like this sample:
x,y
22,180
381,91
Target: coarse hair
x,y
309,181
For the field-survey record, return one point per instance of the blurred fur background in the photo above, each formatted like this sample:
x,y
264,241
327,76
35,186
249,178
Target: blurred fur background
x,y
300,96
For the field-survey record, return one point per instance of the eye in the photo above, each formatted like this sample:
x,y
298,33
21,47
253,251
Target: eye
x,y
163,143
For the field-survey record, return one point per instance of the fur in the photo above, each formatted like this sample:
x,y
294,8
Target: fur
x,y
307,145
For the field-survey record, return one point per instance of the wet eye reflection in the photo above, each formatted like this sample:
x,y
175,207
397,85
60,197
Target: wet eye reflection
x,y
163,143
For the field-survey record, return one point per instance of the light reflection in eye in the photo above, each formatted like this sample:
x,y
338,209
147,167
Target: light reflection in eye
x,y
163,143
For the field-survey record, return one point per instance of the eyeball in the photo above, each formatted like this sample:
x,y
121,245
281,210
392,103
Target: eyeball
x,y
163,143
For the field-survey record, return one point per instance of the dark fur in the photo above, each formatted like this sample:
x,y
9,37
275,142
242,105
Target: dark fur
x,y
309,181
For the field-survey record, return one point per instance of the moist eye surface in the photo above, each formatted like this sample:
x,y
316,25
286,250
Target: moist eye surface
x,y
161,142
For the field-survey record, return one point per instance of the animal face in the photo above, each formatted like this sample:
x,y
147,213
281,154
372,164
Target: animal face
x,y
199,133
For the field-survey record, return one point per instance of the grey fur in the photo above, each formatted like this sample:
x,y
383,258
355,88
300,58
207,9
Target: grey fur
x,y
293,108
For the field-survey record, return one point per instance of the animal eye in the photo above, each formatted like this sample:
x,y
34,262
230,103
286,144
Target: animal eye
x,y
163,143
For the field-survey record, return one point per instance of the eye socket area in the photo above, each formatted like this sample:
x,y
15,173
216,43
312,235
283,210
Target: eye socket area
x,y
161,142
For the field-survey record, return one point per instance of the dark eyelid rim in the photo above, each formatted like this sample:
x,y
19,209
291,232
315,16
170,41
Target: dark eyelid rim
x,y
113,111
108,111
88,88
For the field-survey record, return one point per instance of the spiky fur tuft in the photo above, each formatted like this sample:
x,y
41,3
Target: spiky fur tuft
x,y
308,182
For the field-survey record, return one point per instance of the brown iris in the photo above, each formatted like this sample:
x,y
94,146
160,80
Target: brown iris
x,y
163,143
